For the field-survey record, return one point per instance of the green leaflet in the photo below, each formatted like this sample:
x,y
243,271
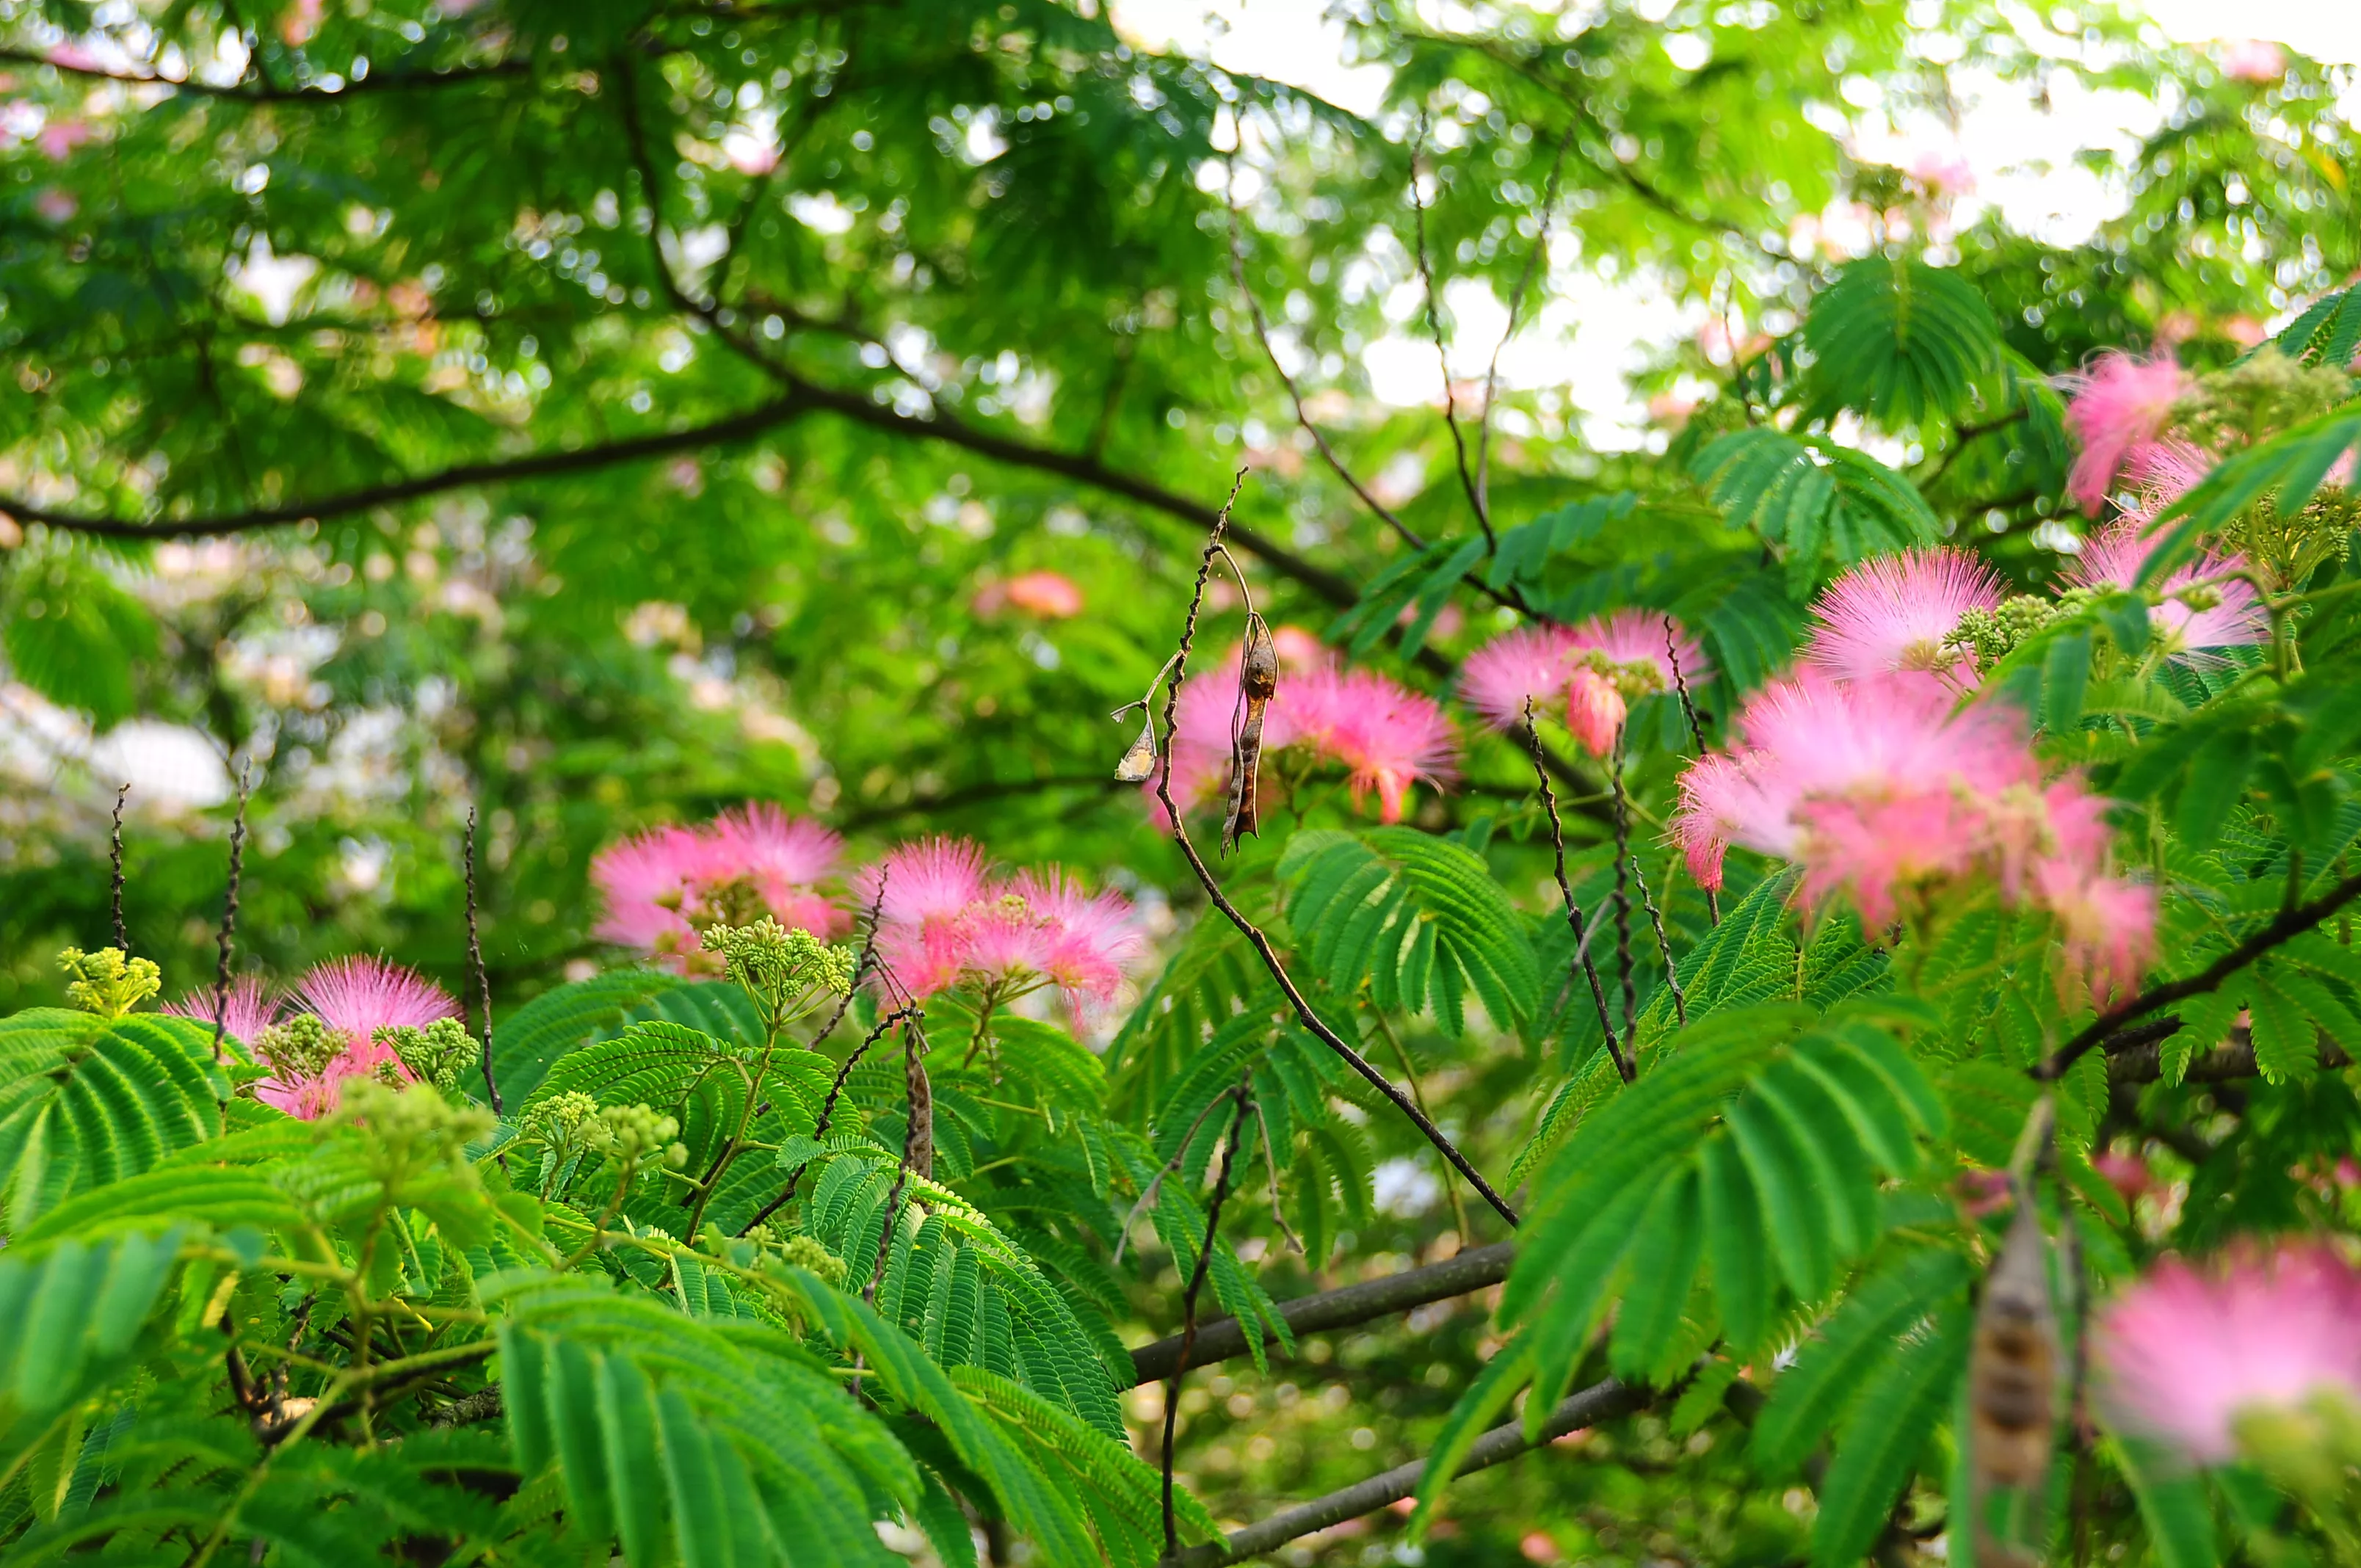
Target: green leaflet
x,y
1879,1448
527,1041
86,1101
1420,918
1899,340
71,1311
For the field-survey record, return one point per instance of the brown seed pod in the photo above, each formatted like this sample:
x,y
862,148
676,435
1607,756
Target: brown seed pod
x,y
2012,1389
919,1147
1258,683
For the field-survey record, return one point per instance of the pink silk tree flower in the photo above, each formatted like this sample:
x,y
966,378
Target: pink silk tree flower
x,y
2258,60
1891,616
2109,924
1530,665
1718,797
946,921
2202,606
1595,711
660,888
1044,596
1878,847
247,1008
1388,735
2116,409
784,857
354,998
1642,644
2182,1355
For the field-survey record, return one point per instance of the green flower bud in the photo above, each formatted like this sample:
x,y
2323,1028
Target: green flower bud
x,y
107,982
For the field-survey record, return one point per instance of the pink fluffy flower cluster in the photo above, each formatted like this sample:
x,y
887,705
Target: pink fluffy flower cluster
x,y
1863,769
1589,676
661,887
354,998
2184,1353
946,918
1385,737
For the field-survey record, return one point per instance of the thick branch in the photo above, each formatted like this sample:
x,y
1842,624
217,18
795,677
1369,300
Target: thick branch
x,y
1600,1401
2285,926
261,93
2139,1057
1218,1339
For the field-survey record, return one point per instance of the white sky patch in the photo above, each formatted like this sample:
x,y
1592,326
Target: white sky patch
x,y
1593,333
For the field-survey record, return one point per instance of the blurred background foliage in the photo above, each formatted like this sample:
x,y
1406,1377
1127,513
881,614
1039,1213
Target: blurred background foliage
x,y
595,414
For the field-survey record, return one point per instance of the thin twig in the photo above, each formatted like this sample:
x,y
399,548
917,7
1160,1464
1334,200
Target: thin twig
x,y
476,959
2285,926
1443,355
1507,332
828,1111
1696,735
1573,909
1147,1192
229,908
1383,513
861,965
1244,1096
1271,1162
115,862
1663,943
914,1044
1253,934
1623,894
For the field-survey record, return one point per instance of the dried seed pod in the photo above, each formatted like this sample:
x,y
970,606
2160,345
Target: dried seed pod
x,y
918,1146
1257,682
2012,1386
1138,763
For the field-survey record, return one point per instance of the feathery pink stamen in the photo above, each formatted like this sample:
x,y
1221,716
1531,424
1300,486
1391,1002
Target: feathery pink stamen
x,y
1893,614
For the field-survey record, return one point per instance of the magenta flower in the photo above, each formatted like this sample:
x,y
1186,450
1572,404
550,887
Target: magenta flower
x,y
2117,409
2181,1355
1884,793
1386,736
945,920
354,998
662,887
1891,615
2202,606
247,1010
1530,665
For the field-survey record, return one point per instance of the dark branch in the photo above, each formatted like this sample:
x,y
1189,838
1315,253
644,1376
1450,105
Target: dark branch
x,y
1218,1339
2137,1055
260,92
2285,926
1600,1401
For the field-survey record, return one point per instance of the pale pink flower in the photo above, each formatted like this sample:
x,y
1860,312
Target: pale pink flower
x,y
1595,711
946,920
1297,650
2182,1355
658,887
2118,406
1386,736
1044,596
2202,606
1891,617
58,138
1718,802
2109,924
1389,736
1637,640
750,157
55,205
355,997
75,57
1946,171
246,1009
1671,409
2254,59
299,23
1530,665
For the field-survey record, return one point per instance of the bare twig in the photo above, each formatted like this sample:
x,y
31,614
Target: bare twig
x,y
1696,735
861,965
1600,1402
828,1111
1244,1096
2285,926
1442,356
914,1045
1624,894
115,863
1509,331
229,909
1253,934
475,960
1663,943
1147,1191
1574,909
